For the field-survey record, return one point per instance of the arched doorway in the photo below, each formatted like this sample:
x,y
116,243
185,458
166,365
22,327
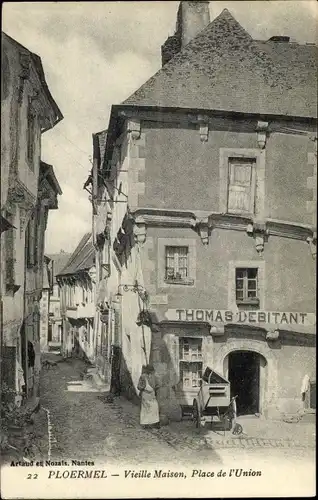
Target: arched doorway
x,y
245,370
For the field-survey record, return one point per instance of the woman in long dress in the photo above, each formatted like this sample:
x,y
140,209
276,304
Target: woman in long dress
x,y
148,387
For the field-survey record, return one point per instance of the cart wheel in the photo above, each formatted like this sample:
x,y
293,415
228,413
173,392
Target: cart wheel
x,y
196,414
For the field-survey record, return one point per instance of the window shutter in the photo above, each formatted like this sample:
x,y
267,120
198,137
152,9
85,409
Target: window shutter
x,y
241,186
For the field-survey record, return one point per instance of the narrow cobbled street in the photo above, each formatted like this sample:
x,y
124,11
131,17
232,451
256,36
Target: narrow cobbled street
x,y
85,425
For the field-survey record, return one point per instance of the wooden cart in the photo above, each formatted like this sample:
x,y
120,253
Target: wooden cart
x,y
213,402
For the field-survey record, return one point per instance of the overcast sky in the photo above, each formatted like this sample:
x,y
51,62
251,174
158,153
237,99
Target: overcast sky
x,y
96,54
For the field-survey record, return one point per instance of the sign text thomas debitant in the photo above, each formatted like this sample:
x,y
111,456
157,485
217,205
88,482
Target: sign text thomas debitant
x,y
288,318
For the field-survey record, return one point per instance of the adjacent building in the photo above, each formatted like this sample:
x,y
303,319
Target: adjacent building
x,y
51,338
77,298
45,306
204,218
29,190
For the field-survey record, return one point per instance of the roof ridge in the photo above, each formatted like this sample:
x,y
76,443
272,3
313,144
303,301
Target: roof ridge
x,y
211,71
75,253
81,257
90,250
224,15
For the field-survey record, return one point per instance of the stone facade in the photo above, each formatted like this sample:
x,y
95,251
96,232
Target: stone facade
x,y
45,307
77,285
28,190
209,235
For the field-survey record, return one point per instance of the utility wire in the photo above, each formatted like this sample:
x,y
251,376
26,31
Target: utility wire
x,y
75,145
70,154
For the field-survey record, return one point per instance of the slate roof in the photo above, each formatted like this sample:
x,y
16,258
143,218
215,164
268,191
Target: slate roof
x,y
82,258
39,68
59,262
48,172
223,68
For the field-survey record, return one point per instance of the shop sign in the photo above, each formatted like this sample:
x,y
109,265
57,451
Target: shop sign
x,y
242,317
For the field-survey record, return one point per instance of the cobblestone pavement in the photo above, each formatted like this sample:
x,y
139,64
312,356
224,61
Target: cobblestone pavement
x,y
85,426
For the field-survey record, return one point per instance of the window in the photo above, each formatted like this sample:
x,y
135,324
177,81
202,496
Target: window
x,y
190,362
241,185
31,241
176,262
30,137
246,285
177,265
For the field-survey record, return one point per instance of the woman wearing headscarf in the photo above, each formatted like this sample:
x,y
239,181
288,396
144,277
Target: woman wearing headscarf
x,y
148,387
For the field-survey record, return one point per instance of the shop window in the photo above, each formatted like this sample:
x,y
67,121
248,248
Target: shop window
x,y
241,185
190,362
246,286
177,264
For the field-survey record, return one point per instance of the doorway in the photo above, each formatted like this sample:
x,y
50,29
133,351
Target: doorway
x,y
244,376
50,333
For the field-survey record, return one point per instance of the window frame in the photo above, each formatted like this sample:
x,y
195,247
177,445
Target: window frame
x,y
259,168
246,300
236,160
177,255
184,362
162,243
262,286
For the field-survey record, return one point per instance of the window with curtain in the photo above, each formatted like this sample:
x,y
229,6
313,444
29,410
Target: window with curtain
x,y
177,263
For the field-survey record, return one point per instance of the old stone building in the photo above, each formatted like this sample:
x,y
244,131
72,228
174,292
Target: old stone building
x,y
204,203
52,338
28,190
45,305
77,300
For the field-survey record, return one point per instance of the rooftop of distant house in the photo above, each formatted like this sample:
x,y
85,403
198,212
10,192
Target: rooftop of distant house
x,y
57,262
82,258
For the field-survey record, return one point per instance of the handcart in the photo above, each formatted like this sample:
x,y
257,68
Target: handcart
x,y
214,404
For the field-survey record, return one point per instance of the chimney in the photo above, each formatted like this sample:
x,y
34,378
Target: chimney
x,y
192,18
